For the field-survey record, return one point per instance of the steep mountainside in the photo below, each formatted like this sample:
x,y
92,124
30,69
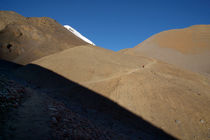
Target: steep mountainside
x,y
188,48
174,100
68,89
24,39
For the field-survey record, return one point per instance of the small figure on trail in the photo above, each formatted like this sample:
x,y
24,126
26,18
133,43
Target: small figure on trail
x,y
142,66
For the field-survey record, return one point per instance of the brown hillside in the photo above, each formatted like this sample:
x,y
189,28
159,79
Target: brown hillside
x,y
24,39
87,92
188,48
174,100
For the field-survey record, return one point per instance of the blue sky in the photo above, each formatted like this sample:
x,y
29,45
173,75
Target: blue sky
x,y
116,24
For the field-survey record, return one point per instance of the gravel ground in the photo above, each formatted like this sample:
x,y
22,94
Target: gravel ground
x,y
11,94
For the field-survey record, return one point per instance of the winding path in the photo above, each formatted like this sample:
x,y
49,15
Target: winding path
x,y
123,74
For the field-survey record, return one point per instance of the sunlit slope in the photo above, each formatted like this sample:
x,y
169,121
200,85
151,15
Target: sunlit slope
x,y
174,100
188,48
25,39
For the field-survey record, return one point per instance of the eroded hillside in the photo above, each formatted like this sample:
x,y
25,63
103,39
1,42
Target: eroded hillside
x,y
24,39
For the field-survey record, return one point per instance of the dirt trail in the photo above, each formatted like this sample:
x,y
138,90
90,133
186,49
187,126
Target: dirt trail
x,y
123,73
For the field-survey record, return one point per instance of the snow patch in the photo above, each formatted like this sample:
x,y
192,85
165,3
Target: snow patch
x,y
75,32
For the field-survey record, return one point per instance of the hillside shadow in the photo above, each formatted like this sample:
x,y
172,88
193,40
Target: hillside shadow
x,y
71,92
8,67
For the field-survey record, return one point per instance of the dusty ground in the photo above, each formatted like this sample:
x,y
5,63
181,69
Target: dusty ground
x,y
87,92
188,48
172,99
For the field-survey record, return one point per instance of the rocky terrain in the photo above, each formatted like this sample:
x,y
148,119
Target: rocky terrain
x,y
78,91
10,94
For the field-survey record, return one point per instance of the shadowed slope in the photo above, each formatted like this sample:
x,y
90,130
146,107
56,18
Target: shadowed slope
x,y
23,40
86,103
158,92
188,48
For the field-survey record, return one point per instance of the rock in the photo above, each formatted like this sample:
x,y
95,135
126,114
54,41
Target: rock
x,y
16,105
65,120
202,121
12,128
52,109
17,100
54,120
177,121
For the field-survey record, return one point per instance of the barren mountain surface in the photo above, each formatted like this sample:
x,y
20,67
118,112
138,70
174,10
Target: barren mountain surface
x,y
188,48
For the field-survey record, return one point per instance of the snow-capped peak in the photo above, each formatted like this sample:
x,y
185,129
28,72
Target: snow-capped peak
x,y
75,32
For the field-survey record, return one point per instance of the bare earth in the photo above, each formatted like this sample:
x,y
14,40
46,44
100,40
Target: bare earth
x,y
172,99
188,48
159,89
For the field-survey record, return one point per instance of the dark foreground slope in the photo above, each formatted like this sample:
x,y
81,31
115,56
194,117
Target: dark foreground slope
x,y
47,112
24,39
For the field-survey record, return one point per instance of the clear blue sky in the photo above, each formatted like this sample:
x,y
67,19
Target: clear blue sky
x,y
116,24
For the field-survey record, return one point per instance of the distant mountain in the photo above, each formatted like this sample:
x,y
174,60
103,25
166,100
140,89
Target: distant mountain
x,y
188,48
75,32
25,39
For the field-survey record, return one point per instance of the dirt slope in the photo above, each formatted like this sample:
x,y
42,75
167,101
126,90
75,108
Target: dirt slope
x,y
24,39
188,48
35,115
174,100
112,92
